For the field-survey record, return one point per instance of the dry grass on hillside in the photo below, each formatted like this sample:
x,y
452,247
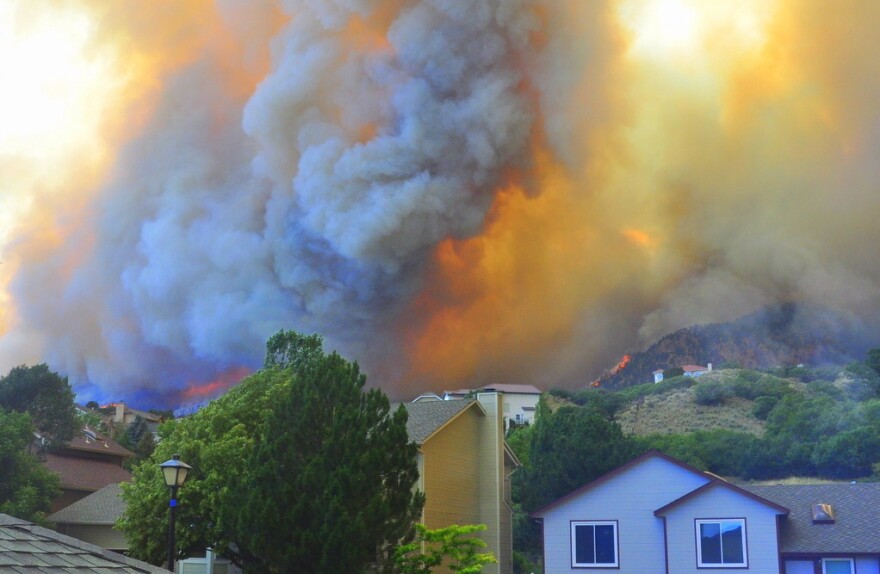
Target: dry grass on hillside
x,y
676,412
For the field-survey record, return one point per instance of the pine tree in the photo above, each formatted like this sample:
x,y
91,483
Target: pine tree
x,y
340,465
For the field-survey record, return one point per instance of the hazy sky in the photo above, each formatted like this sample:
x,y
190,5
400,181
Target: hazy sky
x,y
453,192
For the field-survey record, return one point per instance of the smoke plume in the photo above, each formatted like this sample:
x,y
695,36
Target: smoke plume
x,y
452,192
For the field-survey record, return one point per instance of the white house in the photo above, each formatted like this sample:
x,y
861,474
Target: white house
x,y
657,514
689,371
520,401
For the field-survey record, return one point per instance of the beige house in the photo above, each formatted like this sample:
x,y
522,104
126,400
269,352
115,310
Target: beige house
x,y
465,467
519,404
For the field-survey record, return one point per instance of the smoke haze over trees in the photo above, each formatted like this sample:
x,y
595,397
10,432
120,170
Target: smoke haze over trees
x,y
451,191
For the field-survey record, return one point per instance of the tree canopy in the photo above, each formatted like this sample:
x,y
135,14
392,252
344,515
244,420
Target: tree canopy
x,y
26,487
302,435
45,396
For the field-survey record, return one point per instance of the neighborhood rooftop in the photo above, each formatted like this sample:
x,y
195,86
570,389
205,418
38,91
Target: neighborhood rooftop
x,y
26,547
856,509
101,507
426,417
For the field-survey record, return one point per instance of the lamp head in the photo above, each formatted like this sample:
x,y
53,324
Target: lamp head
x,y
175,472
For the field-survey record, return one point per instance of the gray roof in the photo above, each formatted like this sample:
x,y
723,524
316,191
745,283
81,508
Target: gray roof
x,y
425,417
856,509
27,548
101,507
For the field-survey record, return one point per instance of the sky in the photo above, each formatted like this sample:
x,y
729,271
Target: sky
x,y
452,192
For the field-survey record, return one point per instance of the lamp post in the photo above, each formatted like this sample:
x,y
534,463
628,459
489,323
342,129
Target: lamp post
x,y
175,475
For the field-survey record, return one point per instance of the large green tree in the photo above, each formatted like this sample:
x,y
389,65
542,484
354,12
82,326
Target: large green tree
x,y
301,455
26,487
339,463
46,397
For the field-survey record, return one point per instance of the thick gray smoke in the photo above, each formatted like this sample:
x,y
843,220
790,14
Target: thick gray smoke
x,y
312,205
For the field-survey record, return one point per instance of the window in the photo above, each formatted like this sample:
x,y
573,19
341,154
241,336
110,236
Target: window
x,y
594,544
721,543
837,566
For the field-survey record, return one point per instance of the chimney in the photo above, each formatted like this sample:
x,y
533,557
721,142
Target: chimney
x,y
709,366
120,412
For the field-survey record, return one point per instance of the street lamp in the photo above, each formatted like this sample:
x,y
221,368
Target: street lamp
x,y
175,474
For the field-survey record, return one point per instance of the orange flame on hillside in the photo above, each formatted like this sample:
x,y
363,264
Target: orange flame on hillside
x,y
621,365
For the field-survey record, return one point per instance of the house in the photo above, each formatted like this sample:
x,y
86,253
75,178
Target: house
x,y
689,371
657,514
465,467
91,519
85,465
124,416
26,547
520,401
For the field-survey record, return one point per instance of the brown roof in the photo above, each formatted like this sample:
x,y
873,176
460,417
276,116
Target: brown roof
x,y
79,473
26,547
94,442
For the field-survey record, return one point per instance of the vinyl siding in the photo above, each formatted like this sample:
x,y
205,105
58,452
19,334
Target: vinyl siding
x,y
720,503
631,499
450,472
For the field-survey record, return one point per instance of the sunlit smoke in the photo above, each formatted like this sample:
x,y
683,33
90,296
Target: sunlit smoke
x,y
453,192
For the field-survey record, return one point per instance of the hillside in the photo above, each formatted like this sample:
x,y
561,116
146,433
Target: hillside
x,y
787,334
677,412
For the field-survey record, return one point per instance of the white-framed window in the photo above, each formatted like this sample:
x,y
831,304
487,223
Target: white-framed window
x,y
838,566
594,544
721,543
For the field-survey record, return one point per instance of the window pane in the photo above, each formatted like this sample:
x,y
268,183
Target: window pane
x,y
605,544
732,543
710,542
584,550
838,567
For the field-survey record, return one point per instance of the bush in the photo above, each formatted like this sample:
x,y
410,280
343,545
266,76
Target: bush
x,y
763,405
711,393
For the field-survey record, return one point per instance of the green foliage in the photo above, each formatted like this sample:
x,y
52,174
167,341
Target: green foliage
x,y
673,372
353,458
453,547
519,440
872,360
865,382
568,449
711,393
26,487
278,434
751,384
720,451
289,349
46,397
216,441
763,406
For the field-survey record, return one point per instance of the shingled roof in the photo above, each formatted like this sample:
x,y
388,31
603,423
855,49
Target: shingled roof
x,y
101,507
425,417
856,509
27,548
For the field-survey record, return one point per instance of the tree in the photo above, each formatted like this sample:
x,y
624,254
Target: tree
x,y
326,437
452,546
289,349
46,397
26,487
873,360
568,449
282,432
215,441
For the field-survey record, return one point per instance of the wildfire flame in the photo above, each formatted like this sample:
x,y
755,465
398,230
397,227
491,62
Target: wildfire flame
x,y
621,365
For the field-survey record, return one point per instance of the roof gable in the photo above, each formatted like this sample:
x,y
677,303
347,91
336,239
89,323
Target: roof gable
x,y
427,417
650,455
712,485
